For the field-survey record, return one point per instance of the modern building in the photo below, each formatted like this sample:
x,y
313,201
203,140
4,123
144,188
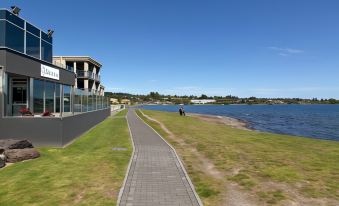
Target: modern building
x,y
40,101
86,69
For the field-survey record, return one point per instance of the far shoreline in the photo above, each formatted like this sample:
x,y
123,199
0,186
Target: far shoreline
x,y
228,104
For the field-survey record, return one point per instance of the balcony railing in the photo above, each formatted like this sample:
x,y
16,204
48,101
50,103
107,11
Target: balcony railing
x,y
88,75
69,68
97,78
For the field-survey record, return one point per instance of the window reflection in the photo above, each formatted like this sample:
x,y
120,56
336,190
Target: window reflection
x,y
57,97
38,96
2,31
32,45
46,51
67,98
14,37
49,96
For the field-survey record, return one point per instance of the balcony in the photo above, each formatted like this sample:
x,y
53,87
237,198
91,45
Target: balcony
x,y
69,68
88,75
97,78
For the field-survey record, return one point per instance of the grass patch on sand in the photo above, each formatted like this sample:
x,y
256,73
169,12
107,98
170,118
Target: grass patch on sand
x,y
259,162
87,172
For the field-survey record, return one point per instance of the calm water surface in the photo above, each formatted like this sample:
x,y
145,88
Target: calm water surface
x,y
316,121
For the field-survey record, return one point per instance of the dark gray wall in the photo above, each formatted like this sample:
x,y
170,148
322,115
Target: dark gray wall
x,y
50,131
40,131
1,95
17,63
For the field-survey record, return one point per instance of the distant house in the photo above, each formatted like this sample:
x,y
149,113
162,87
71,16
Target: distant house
x,y
114,101
125,101
202,101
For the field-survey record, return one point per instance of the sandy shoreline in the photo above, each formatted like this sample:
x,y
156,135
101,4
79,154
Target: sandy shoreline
x,y
235,123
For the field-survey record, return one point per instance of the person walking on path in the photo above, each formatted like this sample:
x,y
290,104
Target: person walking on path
x,y
183,112
180,111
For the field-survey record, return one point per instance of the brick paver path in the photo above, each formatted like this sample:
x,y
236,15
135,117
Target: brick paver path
x,y
156,176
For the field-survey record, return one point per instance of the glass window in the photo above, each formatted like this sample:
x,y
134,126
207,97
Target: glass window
x,y
2,14
2,31
99,102
32,29
57,97
94,101
45,37
32,45
46,51
77,100
105,105
85,101
38,96
15,19
49,96
67,98
14,37
90,101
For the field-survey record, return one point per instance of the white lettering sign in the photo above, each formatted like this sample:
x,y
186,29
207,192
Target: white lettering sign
x,y
49,72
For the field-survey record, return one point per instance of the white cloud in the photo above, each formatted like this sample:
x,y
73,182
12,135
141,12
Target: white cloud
x,y
285,51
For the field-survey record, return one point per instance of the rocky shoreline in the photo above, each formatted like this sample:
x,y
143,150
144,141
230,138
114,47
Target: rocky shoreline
x,y
233,122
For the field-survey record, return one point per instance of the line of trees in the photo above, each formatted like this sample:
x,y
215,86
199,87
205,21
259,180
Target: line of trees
x,y
153,97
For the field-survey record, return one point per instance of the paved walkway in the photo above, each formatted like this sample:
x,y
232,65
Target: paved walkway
x,y
155,176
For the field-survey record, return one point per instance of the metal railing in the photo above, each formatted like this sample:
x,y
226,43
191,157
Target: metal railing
x,y
69,68
89,75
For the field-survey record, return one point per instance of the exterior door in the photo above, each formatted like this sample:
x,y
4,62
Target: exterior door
x,y
19,95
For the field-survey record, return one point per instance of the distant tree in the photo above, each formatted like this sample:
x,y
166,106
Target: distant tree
x,y
203,96
332,101
155,95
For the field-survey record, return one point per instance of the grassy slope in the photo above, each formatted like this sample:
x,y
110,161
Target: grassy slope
x,y
87,172
307,165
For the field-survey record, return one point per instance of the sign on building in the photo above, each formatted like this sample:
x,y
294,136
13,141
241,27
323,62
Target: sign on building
x,y
49,72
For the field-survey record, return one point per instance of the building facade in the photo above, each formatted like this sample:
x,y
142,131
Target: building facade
x,y
40,101
87,71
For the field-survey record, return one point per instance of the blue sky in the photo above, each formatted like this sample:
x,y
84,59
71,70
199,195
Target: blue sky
x,y
263,48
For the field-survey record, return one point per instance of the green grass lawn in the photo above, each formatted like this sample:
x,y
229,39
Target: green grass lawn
x,y
260,163
87,172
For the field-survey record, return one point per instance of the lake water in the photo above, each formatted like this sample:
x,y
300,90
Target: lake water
x,y
316,121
